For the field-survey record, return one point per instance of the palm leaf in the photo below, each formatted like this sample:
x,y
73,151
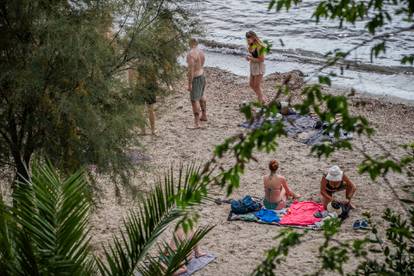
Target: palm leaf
x,y
7,253
169,200
53,217
170,260
27,263
16,252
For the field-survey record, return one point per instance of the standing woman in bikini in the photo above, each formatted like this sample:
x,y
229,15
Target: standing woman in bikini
x,y
276,189
256,59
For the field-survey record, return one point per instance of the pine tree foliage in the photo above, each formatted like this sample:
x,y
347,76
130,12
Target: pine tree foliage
x,y
63,94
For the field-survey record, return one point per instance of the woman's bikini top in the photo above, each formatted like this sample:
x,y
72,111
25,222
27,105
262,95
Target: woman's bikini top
x,y
254,53
269,189
332,189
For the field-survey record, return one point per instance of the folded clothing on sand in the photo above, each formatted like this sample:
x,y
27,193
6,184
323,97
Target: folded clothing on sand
x,y
266,215
245,217
245,205
196,264
282,212
308,126
302,213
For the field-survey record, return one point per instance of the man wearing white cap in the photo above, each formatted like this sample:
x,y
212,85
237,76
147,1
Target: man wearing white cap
x,y
335,181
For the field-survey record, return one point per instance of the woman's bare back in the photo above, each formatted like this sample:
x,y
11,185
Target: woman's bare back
x,y
273,186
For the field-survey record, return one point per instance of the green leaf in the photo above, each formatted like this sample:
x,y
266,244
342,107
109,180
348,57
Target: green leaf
x,y
409,59
53,215
170,200
377,49
325,80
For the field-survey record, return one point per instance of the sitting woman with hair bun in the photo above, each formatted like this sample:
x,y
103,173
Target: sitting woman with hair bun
x,y
276,188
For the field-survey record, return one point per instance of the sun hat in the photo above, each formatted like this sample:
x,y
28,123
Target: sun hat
x,y
334,174
284,104
284,108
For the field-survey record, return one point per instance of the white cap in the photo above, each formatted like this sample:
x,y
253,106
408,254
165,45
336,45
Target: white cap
x,y
284,104
334,174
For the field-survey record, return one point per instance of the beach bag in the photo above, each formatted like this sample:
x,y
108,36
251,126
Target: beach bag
x,y
245,205
345,209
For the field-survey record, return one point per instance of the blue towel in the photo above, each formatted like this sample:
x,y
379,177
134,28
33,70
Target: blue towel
x,y
266,215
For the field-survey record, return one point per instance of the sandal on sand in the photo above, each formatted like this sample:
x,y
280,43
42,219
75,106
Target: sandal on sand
x,y
220,201
360,224
230,216
322,214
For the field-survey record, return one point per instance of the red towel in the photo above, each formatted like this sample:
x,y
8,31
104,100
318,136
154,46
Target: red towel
x,y
302,213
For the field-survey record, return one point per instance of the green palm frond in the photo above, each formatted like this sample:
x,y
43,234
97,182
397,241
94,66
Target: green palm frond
x,y
52,223
170,260
26,262
16,251
7,254
46,230
169,200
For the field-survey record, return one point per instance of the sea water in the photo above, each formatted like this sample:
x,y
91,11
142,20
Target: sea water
x,y
300,43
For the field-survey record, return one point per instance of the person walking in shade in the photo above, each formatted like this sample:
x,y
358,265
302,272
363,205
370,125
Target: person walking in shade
x,y
148,88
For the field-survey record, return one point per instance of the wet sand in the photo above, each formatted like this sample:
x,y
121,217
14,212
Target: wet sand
x,y
240,246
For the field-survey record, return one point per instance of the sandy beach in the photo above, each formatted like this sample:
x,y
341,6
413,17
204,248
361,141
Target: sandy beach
x,y
240,246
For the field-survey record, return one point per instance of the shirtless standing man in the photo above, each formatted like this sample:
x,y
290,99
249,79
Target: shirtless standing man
x,y
196,82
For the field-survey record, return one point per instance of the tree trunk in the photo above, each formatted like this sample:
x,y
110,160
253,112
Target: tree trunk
x,y
21,148
22,164
22,170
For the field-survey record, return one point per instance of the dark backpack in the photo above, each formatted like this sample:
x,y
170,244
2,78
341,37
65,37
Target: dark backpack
x,y
245,205
345,209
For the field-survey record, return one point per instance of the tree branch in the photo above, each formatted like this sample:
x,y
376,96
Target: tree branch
x,y
136,31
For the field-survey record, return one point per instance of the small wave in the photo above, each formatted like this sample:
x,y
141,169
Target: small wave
x,y
303,56
220,45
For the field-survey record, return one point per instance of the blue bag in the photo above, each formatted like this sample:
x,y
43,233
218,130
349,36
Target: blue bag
x,y
245,205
